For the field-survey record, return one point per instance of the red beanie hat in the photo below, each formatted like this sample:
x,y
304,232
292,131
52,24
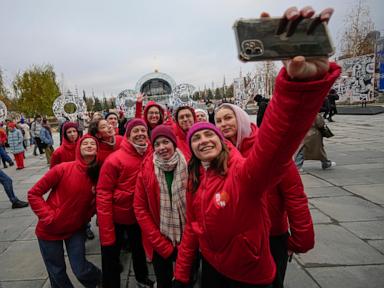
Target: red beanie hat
x,y
165,131
11,125
134,122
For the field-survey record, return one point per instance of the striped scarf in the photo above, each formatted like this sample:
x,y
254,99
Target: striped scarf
x,y
172,213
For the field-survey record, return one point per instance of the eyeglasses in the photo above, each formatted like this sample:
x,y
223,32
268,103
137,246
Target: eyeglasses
x,y
153,113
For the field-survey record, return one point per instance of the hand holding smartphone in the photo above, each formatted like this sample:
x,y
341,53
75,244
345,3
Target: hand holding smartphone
x,y
295,34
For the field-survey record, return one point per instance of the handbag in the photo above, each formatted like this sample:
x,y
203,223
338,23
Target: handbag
x,y
326,132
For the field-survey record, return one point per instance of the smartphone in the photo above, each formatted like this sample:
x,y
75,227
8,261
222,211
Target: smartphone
x,y
262,39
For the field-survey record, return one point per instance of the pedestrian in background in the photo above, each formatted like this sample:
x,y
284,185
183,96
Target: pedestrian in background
x,y
332,97
27,133
46,140
3,152
35,133
15,141
6,181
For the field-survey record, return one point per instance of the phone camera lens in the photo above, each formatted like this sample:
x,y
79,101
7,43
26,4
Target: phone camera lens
x,y
248,51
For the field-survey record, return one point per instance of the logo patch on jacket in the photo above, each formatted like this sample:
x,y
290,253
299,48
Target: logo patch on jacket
x,y
221,199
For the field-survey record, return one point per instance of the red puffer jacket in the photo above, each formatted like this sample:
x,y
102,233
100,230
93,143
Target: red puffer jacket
x,y
105,149
70,204
287,203
182,144
115,190
65,153
147,209
227,216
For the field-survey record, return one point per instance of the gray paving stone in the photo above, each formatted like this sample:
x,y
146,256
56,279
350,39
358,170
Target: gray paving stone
x,y
11,228
33,179
22,261
297,277
310,181
372,230
28,234
378,244
328,191
23,284
22,212
336,246
349,277
342,177
319,217
348,208
4,245
372,192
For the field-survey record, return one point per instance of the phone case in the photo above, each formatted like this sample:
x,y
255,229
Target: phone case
x,y
258,40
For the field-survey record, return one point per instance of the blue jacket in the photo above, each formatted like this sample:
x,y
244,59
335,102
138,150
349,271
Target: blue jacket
x,y
15,141
46,137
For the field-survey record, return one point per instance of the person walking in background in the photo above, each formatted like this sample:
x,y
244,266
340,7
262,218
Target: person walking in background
x,y
313,146
46,140
67,149
35,133
63,216
27,133
115,214
3,152
6,181
15,141
332,97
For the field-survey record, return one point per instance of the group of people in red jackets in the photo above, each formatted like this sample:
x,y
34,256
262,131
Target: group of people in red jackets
x,y
186,193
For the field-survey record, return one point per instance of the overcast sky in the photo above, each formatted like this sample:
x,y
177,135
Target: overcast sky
x,y
107,46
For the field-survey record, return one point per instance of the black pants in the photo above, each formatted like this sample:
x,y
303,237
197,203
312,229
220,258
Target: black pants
x,y
110,256
38,145
211,278
279,251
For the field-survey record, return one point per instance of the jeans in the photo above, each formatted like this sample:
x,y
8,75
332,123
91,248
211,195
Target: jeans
x,y
279,251
4,155
53,255
6,181
38,145
110,256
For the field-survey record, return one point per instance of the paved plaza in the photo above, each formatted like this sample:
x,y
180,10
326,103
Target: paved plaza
x,y
347,205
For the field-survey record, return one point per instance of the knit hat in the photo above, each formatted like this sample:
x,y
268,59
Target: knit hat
x,y
165,131
202,111
202,126
110,113
134,122
68,125
11,125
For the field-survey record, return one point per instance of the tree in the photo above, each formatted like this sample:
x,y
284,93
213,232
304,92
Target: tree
x,y
209,94
35,90
97,105
218,93
357,38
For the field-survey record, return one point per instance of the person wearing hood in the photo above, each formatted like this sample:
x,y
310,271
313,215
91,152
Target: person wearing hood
x,y
114,201
227,216
64,215
15,141
106,136
27,134
201,115
287,202
160,201
67,149
185,117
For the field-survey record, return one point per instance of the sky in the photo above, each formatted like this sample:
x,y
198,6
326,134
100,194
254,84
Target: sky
x,y
107,46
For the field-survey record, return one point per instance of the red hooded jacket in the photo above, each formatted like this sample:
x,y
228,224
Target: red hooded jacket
x,y
71,202
227,216
105,149
115,190
287,203
181,136
65,153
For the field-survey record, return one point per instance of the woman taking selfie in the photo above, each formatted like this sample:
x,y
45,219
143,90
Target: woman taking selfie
x,y
227,217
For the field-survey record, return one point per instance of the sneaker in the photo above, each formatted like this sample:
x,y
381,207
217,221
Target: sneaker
x,y
41,157
328,164
147,283
89,234
19,204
